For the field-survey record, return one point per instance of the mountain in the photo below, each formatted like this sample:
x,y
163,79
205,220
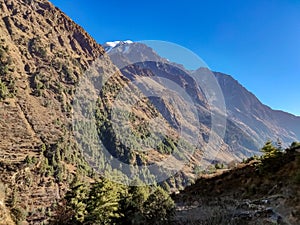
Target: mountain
x,y
249,121
42,54
256,119
110,45
51,121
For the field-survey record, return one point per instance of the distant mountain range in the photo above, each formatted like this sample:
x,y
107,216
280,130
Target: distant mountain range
x,y
250,123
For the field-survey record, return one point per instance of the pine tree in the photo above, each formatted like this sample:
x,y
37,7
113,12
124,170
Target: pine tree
x,y
158,207
103,202
269,150
133,205
76,202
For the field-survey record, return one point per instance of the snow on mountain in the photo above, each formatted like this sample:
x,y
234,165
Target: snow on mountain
x,y
108,46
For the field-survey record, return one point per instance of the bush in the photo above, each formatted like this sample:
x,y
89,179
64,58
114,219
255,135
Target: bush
x,y
270,151
7,82
37,48
295,145
158,207
4,93
19,214
297,177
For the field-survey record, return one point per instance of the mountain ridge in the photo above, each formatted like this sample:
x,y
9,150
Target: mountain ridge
x,y
129,42
243,107
44,54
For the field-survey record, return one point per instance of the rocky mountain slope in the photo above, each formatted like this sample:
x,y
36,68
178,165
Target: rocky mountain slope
x,y
256,192
43,57
256,119
250,123
42,54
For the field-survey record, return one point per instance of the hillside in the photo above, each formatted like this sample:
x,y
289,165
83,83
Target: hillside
x,y
42,54
249,122
256,119
255,192
51,124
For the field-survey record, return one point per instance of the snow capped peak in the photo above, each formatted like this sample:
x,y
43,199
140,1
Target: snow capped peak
x,y
115,43
108,46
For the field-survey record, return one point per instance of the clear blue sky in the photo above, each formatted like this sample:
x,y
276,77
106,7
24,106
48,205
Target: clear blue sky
x,y
255,41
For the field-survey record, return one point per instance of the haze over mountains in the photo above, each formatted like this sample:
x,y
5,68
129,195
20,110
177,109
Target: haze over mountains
x,y
253,122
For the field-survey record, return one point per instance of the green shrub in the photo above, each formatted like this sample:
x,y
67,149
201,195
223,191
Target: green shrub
x,y
295,145
19,214
4,93
105,202
297,177
37,48
269,150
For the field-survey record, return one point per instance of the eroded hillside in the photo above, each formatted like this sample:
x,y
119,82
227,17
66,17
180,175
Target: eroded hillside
x,y
42,55
255,192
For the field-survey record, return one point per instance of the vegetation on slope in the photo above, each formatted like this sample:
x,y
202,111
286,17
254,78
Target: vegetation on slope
x,y
42,56
261,190
105,202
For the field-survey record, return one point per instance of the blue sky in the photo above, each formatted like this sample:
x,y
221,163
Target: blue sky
x,y
255,41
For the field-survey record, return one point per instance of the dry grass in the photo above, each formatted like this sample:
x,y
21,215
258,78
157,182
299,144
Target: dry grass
x,y
244,195
5,218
